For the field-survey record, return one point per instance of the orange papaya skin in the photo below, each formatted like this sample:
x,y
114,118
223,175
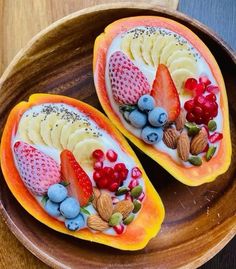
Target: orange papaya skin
x,y
192,176
145,226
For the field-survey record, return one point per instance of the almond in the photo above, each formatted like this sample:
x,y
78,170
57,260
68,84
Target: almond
x,y
183,146
96,223
125,207
180,121
104,206
96,194
199,142
170,137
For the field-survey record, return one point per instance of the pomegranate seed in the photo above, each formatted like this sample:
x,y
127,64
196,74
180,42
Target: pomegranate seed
x,y
199,100
141,197
197,111
136,172
97,176
108,171
207,117
133,183
111,155
115,200
119,167
205,80
212,89
190,84
207,130
113,187
98,154
214,109
206,148
119,229
98,165
199,89
189,105
211,97
102,183
190,117
215,137
128,197
199,120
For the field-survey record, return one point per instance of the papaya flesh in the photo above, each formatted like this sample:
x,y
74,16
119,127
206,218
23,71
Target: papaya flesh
x,y
136,236
189,175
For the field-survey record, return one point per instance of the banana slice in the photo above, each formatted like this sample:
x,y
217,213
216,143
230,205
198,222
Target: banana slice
x,y
56,133
136,48
34,129
179,76
184,62
23,129
46,128
125,45
178,54
83,151
78,136
147,48
70,128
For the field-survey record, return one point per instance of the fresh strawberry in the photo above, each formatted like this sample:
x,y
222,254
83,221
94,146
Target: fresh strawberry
x,y
80,185
164,92
128,83
38,171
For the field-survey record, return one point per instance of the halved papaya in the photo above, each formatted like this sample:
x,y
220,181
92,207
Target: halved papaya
x,y
148,221
179,50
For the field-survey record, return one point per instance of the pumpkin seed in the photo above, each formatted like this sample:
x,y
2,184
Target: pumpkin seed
x,y
212,125
193,129
137,205
197,161
136,191
115,219
122,190
129,219
211,151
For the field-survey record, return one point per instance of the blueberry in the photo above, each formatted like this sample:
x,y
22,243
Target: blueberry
x,y
75,223
57,193
152,135
52,208
70,208
137,118
157,117
146,103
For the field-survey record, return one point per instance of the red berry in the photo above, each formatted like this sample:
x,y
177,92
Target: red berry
x,y
98,165
119,229
189,105
215,137
190,85
190,117
111,155
102,183
133,183
98,154
212,89
119,167
199,89
136,172
199,100
113,187
197,110
97,176
211,97
205,80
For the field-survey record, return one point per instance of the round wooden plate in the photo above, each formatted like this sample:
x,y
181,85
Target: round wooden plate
x,y
199,220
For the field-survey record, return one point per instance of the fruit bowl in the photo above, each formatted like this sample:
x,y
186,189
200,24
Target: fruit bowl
x,y
199,220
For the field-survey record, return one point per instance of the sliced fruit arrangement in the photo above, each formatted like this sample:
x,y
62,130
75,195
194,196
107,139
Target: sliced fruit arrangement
x,y
162,88
54,187
152,46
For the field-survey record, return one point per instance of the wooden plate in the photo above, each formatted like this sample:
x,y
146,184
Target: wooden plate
x,y
199,220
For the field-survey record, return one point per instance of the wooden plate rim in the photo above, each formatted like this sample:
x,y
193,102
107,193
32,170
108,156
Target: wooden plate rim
x,y
230,232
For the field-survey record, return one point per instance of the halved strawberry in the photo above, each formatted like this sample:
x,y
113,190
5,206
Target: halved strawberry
x,y
80,185
164,92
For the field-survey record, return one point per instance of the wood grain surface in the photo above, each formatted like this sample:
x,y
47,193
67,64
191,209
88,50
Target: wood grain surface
x,y
14,35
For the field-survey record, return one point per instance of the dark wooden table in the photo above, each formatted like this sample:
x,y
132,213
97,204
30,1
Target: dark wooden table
x,y
219,15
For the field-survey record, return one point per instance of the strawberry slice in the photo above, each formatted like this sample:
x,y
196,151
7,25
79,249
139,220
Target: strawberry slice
x,y
80,185
164,92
